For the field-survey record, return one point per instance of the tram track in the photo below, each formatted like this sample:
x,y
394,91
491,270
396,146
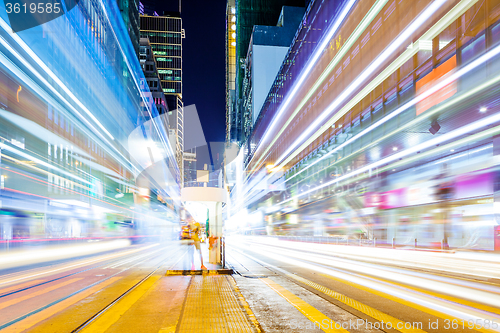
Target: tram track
x,y
277,272
69,275
122,296
13,278
107,280
325,281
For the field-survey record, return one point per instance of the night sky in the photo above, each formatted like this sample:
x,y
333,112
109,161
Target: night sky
x,y
204,61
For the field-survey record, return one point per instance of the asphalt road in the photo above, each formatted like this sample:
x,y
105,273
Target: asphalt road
x,y
291,287
278,286
62,295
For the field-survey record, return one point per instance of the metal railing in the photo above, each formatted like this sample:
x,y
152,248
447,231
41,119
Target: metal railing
x,y
345,240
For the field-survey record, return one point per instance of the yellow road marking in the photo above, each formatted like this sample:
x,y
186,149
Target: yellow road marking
x,y
20,286
112,315
404,302
305,308
397,324
42,315
245,305
16,300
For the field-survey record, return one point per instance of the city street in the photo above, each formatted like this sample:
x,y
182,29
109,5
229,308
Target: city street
x,y
280,286
250,166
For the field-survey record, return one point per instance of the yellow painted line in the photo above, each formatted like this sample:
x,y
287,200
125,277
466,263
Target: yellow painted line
x,y
305,308
367,310
113,314
405,302
245,305
20,286
199,272
31,321
16,300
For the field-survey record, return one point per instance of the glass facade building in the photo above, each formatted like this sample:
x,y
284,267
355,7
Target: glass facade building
x,y
153,81
377,105
241,17
74,144
129,10
165,34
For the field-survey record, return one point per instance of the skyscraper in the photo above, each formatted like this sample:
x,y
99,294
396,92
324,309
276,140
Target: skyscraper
x,y
148,65
129,9
165,35
241,17
230,68
267,49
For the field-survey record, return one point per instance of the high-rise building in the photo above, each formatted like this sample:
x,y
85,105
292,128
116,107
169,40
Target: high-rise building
x,y
190,168
230,69
165,34
150,70
129,9
266,51
176,134
241,17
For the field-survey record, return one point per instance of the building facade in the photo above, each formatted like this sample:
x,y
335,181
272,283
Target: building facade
x,y
376,105
148,64
241,17
230,45
190,168
79,131
165,34
129,10
267,49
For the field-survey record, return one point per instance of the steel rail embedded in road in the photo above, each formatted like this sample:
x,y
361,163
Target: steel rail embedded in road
x,y
86,288
94,317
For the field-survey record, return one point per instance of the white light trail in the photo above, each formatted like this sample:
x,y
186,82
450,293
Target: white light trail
x,y
54,77
467,129
434,89
39,161
365,22
388,52
310,65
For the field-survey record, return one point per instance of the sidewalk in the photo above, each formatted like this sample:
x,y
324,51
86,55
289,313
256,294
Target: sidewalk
x,y
211,300
214,304
168,303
